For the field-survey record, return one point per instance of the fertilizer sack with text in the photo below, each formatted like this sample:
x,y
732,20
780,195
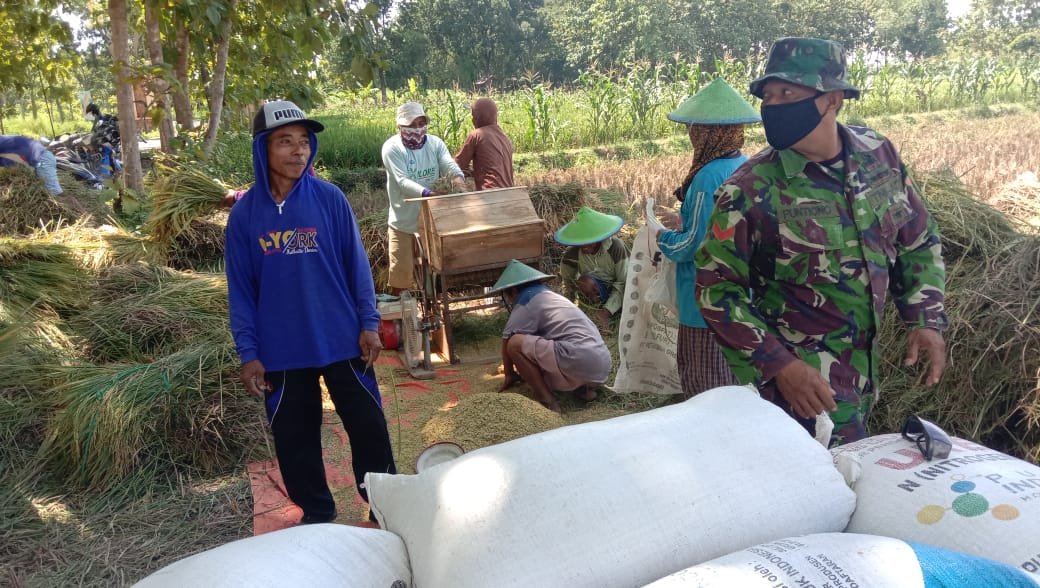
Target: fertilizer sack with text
x,y
649,329
977,500
846,560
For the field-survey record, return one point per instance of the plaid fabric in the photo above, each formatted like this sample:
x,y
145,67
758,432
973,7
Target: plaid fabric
x,y
701,363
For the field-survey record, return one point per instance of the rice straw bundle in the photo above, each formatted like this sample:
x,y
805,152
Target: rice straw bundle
x,y
25,203
373,234
182,409
38,273
140,312
990,391
99,247
180,195
201,246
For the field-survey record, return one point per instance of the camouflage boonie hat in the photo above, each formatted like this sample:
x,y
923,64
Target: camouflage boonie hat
x,y
814,63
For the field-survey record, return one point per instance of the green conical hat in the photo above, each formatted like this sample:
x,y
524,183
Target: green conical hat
x,y
517,273
715,104
588,226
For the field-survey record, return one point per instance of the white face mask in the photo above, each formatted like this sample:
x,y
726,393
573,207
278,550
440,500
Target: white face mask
x,y
89,116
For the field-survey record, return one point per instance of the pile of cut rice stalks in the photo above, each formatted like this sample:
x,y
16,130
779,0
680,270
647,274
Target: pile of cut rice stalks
x,y
991,389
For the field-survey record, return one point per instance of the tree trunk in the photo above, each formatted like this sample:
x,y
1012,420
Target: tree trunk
x,y
133,178
216,95
181,100
160,86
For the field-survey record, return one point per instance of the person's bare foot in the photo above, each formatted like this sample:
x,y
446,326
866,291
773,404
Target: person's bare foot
x,y
551,405
587,393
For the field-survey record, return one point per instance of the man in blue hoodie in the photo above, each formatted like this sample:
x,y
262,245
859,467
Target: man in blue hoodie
x,y
303,306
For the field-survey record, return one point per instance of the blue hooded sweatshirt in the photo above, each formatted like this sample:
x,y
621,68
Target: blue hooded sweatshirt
x,y
300,289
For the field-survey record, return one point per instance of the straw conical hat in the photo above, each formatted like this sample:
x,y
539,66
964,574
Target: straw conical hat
x,y
588,226
517,273
715,104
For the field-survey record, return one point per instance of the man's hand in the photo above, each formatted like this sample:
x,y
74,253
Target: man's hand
x,y
805,389
602,317
931,342
252,377
511,379
229,198
458,182
370,347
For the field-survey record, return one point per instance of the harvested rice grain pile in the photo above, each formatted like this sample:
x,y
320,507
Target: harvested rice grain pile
x,y
484,419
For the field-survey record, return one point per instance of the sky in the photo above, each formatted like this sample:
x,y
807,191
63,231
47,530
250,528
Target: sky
x,y
958,8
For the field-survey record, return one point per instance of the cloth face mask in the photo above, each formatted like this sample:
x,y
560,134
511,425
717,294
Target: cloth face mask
x,y
413,137
786,124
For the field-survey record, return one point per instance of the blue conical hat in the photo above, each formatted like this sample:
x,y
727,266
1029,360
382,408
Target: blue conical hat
x,y
517,273
588,226
715,104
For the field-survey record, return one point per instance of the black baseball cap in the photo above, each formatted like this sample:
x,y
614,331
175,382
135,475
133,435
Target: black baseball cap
x,y
279,113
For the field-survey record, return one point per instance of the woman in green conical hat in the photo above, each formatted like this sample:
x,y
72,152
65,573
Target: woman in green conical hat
x,y
715,117
595,263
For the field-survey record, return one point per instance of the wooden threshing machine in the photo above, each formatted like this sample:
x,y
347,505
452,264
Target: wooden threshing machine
x,y
464,242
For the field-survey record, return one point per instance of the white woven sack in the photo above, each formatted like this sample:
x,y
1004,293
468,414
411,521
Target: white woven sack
x,y
824,559
977,501
308,556
619,502
648,331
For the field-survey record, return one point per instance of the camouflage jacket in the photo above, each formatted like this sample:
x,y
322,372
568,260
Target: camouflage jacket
x,y
819,249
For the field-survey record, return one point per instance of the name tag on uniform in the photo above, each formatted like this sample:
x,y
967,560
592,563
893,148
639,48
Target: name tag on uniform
x,y
807,211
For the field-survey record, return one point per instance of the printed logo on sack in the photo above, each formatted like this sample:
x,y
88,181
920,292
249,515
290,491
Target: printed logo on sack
x,y
968,504
289,242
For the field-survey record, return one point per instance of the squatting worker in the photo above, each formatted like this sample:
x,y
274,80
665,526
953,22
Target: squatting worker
x,y
595,263
715,118
19,151
303,307
487,149
414,161
548,342
820,226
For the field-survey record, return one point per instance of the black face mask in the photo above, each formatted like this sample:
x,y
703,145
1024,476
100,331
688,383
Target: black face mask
x,y
786,124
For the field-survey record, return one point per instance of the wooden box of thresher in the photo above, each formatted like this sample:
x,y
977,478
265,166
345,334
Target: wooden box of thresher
x,y
474,231
465,241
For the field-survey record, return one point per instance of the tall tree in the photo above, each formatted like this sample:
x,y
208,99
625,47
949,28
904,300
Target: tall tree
x,y
465,41
216,94
36,55
991,25
910,27
159,84
132,174
846,21
604,34
720,28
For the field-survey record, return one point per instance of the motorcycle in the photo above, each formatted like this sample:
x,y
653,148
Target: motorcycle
x,y
91,157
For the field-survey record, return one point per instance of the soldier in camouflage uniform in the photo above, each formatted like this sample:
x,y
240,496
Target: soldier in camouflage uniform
x,y
807,239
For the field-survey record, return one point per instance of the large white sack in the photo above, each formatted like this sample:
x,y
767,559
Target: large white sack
x,y
649,331
846,560
619,502
978,500
308,556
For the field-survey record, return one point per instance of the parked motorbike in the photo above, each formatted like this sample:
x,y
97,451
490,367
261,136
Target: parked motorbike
x,y
91,157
